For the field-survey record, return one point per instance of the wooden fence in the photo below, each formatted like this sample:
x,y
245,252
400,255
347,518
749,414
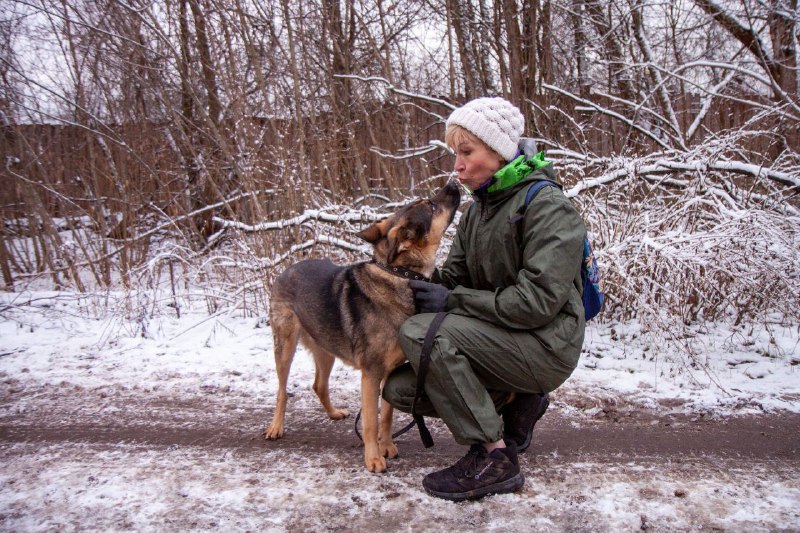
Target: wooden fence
x,y
128,167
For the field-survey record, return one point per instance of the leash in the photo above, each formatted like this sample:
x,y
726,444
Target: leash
x,y
422,372
396,434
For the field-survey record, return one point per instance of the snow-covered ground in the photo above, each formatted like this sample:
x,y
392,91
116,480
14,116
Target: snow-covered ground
x,y
102,380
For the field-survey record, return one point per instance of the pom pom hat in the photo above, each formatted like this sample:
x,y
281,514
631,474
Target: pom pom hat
x,y
495,121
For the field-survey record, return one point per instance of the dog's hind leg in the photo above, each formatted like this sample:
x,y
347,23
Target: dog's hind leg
x,y
285,334
323,361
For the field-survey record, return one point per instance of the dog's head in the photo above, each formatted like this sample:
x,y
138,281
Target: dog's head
x,y
410,237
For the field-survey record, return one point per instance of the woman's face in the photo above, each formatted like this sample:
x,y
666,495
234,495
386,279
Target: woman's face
x,y
475,162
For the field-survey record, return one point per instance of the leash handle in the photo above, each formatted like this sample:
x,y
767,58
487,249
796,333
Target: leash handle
x,y
422,372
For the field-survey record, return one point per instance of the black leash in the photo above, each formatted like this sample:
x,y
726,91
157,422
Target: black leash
x,y
396,434
422,372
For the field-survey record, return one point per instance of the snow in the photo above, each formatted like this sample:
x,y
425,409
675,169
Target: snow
x,y
75,363
750,368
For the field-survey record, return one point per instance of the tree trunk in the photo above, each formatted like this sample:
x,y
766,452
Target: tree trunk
x,y
782,31
615,57
304,178
579,36
206,64
460,17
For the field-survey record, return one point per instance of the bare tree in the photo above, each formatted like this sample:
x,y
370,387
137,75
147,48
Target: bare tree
x,y
743,24
175,135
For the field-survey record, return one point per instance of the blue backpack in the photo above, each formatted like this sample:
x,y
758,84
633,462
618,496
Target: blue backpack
x,y
590,273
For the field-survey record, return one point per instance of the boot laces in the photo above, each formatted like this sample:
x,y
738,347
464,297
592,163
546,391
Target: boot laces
x,y
474,464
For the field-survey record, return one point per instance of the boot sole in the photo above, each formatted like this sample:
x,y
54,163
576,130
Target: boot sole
x,y
512,484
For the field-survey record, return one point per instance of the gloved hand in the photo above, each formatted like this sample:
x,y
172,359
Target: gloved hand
x,y
429,297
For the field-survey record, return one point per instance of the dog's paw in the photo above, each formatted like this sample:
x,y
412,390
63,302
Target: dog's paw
x,y
388,450
338,414
375,464
275,431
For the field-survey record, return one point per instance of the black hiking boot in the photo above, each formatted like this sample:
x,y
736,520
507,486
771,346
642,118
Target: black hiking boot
x,y
520,416
477,474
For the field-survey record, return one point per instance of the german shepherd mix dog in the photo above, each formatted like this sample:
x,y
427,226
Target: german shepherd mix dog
x,y
355,312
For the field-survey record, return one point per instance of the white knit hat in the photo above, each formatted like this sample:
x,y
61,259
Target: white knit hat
x,y
495,121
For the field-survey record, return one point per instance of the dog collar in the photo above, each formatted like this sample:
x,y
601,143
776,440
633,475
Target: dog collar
x,y
401,272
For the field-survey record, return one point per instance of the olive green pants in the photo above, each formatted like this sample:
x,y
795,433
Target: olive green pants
x,y
473,367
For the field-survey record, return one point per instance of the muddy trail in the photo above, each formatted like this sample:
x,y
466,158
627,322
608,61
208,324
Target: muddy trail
x,y
572,427
571,435
165,462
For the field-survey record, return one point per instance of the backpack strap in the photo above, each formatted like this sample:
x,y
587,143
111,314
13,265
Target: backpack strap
x,y
538,186
531,194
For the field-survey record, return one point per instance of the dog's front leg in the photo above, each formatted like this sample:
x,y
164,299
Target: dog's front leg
x,y
386,446
370,392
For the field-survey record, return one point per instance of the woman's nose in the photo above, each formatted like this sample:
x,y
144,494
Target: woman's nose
x,y
459,165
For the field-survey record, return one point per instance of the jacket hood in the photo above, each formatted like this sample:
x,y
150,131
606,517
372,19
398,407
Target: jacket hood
x,y
516,171
525,163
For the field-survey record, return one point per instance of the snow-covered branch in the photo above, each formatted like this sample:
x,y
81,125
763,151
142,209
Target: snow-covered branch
x,y
389,86
363,215
593,106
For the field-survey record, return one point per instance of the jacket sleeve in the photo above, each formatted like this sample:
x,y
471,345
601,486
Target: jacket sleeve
x,y
553,238
454,271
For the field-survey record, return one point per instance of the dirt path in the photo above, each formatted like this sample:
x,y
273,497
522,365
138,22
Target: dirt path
x,y
568,432
177,461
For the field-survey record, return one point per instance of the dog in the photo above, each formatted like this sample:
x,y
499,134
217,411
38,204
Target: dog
x,y
355,312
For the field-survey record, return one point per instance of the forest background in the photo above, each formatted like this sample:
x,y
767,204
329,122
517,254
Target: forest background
x,y
163,160
183,152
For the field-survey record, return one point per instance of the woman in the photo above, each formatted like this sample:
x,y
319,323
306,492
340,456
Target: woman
x,y
511,288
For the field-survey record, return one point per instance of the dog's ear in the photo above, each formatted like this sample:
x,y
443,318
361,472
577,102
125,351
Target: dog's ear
x,y
375,232
400,240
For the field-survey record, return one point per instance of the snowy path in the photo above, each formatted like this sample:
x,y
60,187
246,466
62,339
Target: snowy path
x,y
78,460
102,428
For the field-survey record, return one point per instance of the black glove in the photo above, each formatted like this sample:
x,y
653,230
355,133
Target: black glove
x,y
429,297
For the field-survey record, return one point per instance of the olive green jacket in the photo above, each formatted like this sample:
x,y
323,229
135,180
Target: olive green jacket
x,y
520,268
